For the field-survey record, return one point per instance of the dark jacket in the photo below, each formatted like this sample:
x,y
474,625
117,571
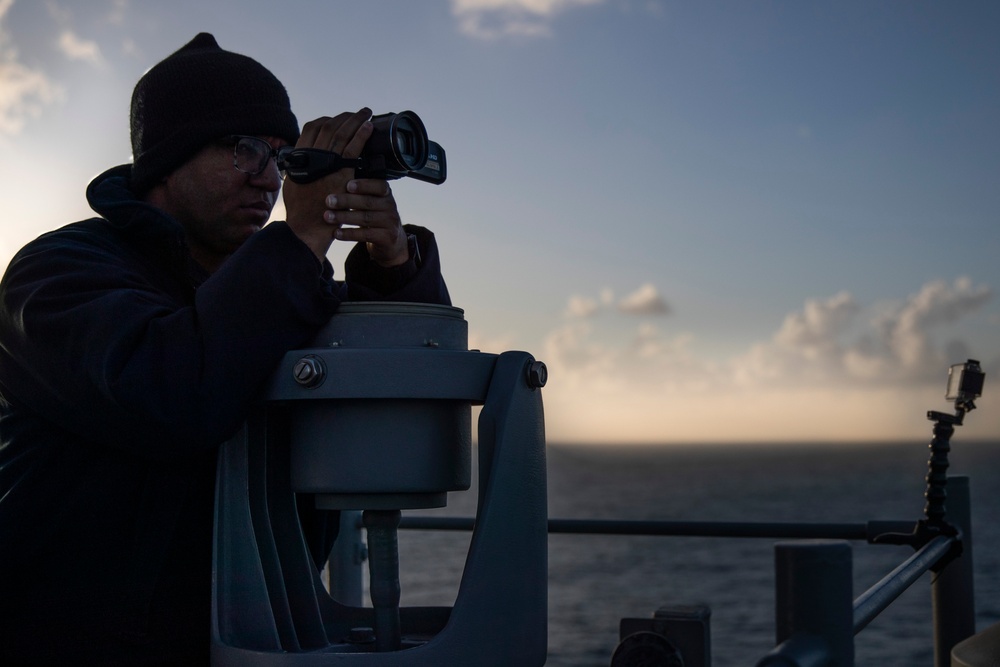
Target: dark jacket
x,y
123,366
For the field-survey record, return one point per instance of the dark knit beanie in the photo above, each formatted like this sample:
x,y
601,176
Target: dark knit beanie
x,y
199,94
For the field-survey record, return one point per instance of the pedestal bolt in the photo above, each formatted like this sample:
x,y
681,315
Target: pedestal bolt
x,y
309,371
538,375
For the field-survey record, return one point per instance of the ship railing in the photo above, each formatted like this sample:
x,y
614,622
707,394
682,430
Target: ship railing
x,y
816,617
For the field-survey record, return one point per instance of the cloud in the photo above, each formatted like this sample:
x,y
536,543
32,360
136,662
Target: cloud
x,y
493,19
829,340
58,13
118,10
581,358
75,48
826,342
581,306
903,333
644,301
69,43
24,92
833,369
819,321
130,48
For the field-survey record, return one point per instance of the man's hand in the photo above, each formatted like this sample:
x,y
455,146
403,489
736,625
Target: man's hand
x,y
369,210
317,211
305,204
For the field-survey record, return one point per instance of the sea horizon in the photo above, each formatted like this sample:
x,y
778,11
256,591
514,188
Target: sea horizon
x,y
596,580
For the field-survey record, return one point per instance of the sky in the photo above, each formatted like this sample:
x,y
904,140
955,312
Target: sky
x,y
713,221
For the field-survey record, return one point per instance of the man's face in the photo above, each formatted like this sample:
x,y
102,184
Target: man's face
x,y
219,206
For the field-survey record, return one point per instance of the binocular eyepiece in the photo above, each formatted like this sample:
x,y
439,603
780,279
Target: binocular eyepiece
x,y
398,147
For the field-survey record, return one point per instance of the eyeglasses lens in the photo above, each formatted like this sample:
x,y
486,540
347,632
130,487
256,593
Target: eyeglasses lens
x,y
251,155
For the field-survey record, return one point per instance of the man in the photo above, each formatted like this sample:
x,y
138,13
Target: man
x,y
133,344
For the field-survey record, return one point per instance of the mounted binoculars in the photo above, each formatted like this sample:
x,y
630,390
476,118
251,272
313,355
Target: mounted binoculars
x,y
398,147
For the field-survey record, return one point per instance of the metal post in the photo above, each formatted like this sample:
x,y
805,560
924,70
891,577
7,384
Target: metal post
x,y
814,618
952,593
383,549
346,565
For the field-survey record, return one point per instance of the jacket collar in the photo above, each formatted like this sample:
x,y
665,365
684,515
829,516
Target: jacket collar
x,y
155,232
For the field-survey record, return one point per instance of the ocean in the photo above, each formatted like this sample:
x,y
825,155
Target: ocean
x,y
594,580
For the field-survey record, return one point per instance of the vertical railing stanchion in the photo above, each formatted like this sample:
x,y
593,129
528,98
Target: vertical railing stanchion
x,y
952,591
814,616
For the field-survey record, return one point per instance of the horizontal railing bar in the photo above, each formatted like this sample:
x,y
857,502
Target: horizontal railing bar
x,y
709,529
774,530
876,599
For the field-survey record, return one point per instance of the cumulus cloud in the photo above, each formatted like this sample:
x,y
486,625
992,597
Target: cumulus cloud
x,y
819,322
69,43
575,352
835,368
75,48
902,338
644,301
832,342
612,355
829,340
492,19
826,341
581,306
24,91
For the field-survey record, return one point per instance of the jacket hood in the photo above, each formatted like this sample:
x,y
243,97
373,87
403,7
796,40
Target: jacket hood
x,y
111,196
158,234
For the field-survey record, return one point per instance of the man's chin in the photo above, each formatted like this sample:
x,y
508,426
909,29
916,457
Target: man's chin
x,y
247,231
240,235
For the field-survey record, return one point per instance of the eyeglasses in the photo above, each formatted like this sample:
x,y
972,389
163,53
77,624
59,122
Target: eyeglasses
x,y
250,154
